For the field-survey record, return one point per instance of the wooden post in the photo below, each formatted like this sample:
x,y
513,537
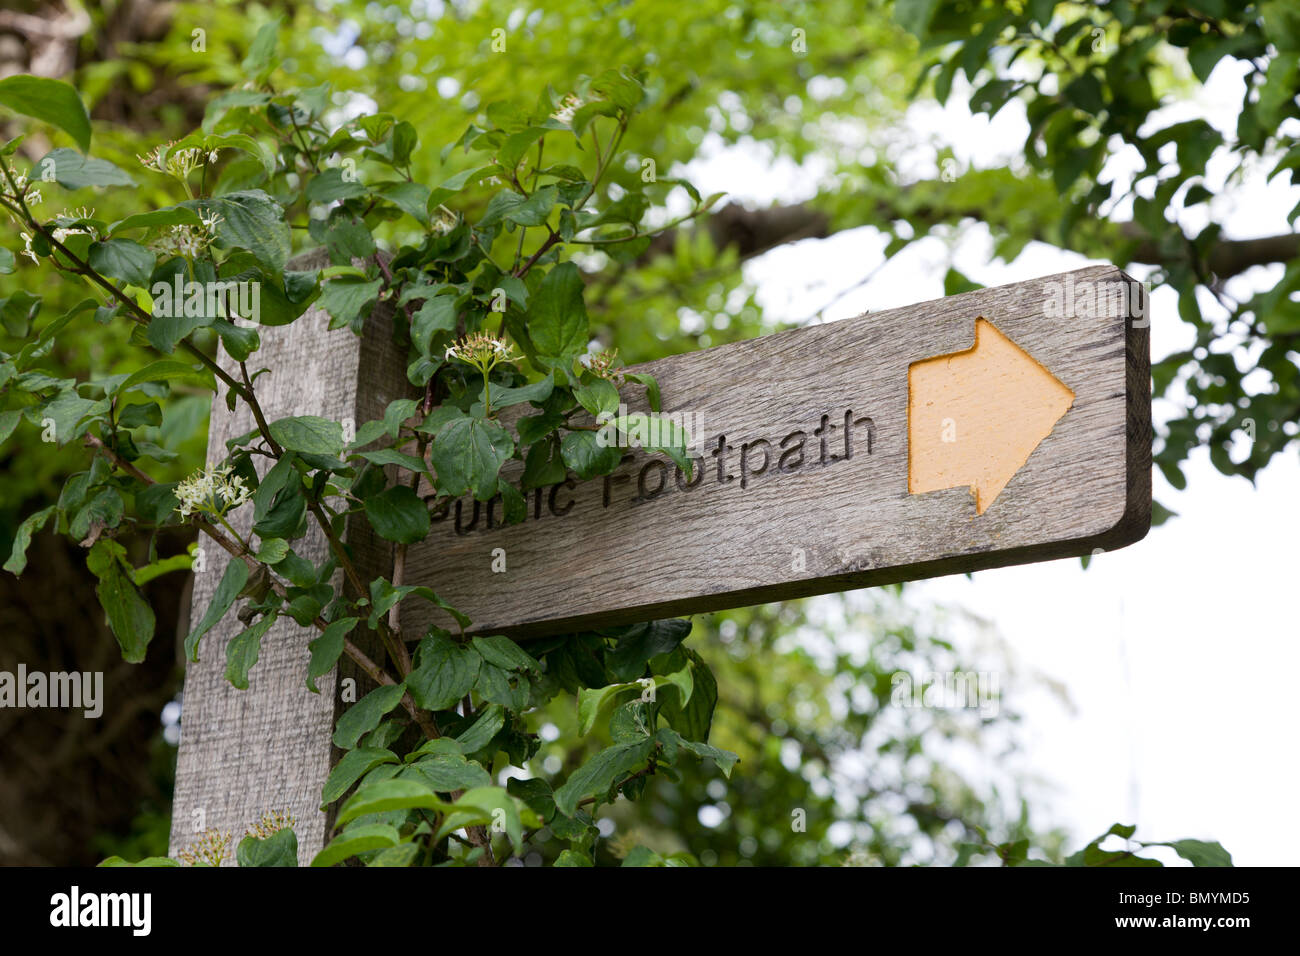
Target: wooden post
x,y
243,753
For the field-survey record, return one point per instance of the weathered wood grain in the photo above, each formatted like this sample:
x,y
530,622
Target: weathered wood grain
x,y
645,543
243,753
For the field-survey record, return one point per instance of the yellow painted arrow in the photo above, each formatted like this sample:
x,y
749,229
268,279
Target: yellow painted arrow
x,y
975,417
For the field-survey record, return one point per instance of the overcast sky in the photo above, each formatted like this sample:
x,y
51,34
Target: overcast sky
x,y
1177,651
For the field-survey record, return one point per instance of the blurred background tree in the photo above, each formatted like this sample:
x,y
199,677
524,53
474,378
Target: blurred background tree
x,y
826,85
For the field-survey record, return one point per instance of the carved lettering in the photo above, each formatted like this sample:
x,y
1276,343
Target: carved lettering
x,y
760,459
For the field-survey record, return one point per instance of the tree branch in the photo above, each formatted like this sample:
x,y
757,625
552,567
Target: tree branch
x,y
755,231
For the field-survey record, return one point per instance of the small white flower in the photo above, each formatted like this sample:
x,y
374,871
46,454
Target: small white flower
x,y
211,491
568,106
179,164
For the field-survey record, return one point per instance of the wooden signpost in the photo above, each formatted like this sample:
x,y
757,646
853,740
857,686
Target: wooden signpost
x,y
997,427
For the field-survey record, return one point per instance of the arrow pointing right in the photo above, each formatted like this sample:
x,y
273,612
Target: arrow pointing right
x,y
975,417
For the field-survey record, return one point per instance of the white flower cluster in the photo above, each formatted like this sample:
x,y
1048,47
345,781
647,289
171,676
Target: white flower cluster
x,y
211,491
444,221
180,163
29,196
188,241
481,350
568,106
61,233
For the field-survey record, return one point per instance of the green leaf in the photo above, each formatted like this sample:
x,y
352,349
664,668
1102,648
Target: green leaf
x,y
447,772
1199,852
411,198
68,411
18,311
480,733
628,659
438,314
437,419
168,216
243,650
543,466
346,297
23,538
365,715
352,766
383,596
309,434
444,672
272,550
467,454
386,795
73,171
327,649
510,205
403,855
455,184
330,185
253,221
348,844
286,516
398,514
516,145
505,653
105,509
536,795
619,88
348,239
156,569
122,259
694,718
51,101
261,51
279,849
147,861
495,685
1085,92
502,815
275,479
170,370
725,759
557,316
232,582
504,397
390,456
156,502
583,452
129,615
682,680
594,701
654,433
914,15
573,858
597,775
641,856
599,396
137,415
